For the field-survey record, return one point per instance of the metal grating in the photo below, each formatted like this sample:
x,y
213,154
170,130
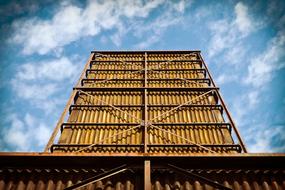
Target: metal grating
x,y
146,102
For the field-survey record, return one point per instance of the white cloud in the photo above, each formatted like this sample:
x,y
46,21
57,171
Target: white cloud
x,y
264,137
242,20
56,70
226,78
235,55
37,83
180,6
262,67
34,91
253,98
154,30
244,104
70,23
226,34
25,134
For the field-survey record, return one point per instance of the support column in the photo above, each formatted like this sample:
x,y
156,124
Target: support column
x,y
147,177
145,116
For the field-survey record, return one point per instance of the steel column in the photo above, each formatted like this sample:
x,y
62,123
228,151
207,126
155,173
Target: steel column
x,y
147,175
145,105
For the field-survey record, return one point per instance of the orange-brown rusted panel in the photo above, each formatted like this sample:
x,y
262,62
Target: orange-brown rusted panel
x,y
108,108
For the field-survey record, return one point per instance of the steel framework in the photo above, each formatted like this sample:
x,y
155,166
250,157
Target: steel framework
x,y
152,119
149,72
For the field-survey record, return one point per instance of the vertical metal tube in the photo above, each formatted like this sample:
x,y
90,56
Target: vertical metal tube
x,y
147,175
145,105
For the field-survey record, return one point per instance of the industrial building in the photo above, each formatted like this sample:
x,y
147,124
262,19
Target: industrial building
x,y
144,120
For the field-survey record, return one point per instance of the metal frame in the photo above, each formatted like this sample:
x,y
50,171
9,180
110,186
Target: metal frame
x,y
144,123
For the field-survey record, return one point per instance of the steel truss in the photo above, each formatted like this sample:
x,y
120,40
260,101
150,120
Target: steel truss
x,y
145,123
147,176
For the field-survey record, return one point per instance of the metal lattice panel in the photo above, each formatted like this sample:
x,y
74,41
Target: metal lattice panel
x,y
146,102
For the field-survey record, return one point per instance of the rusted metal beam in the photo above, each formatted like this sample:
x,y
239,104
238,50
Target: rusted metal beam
x,y
178,69
212,106
148,51
149,79
65,111
149,88
145,99
198,160
99,177
147,175
149,105
151,61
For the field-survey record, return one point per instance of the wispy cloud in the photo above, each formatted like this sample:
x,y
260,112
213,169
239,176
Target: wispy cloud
x,y
227,33
36,83
266,139
154,30
262,67
226,78
242,21
25,134
71,23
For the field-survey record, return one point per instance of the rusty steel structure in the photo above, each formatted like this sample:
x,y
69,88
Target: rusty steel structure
x,y
144,120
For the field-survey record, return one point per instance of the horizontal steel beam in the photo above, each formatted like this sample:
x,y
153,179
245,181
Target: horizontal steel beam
x,y
186,81
223,126
97,124
199,124
134,70
148,88
152,145
229,161
149,79
147,51
149,61
181,124
236,147
218,107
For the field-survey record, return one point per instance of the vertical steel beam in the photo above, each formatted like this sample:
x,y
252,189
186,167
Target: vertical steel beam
x,y
145,105
147,175
68,104
224,105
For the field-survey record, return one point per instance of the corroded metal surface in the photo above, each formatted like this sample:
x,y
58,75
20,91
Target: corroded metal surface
x,y
58,171
151,120
132,179
146,102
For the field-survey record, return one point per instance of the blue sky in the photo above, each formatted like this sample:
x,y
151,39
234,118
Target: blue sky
x,y
44,47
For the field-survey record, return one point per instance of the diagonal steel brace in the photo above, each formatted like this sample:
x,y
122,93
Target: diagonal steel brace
x,y
198,177
99,177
